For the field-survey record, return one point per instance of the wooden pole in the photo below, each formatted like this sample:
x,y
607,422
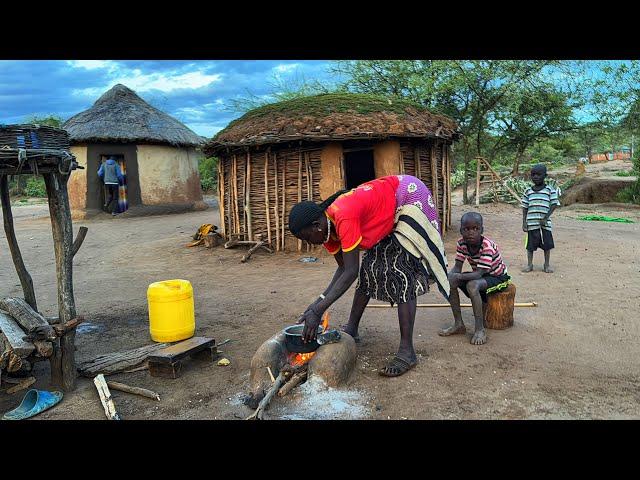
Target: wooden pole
x,y
235,196
247,198
446,305
16,255
221,198
63,368
276,211
401,167
266,194
434,176
445,189
416,160
307,164
299,189
284,198
478,181
449,177
511,191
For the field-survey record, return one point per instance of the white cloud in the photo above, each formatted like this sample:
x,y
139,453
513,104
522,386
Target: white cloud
x,y
286,67
92,64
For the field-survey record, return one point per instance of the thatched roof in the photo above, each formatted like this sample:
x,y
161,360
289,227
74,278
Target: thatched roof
x,y
333,116
120,115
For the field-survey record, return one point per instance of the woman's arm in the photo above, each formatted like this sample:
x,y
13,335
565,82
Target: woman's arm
x,y
336,275
339,285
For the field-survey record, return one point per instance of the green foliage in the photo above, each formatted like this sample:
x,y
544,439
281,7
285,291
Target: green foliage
x,y
50,120
35,187
330,103
630,194
457,177
624,173
208,168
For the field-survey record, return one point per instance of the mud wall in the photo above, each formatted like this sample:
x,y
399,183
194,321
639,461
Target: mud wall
x,y
77,184
331,179
386,158
168,175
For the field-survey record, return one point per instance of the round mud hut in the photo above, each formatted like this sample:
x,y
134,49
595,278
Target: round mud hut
x,y
157,154
308,148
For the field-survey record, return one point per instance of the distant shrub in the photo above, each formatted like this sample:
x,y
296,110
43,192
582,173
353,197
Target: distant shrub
x,y
208,168
35,187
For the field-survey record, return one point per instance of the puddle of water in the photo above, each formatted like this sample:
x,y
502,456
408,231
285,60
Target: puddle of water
x,y
88,327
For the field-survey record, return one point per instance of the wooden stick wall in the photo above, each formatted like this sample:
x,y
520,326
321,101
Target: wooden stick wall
x,y
258,189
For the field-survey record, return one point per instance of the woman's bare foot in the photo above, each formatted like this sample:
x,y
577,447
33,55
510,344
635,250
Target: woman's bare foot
x,y
479,338
453,330
547,269
528,268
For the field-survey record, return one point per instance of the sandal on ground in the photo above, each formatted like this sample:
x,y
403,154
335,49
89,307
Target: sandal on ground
x,y
34,402
397,365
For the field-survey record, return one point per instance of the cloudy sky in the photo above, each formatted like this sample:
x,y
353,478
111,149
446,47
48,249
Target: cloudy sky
x,y
196,92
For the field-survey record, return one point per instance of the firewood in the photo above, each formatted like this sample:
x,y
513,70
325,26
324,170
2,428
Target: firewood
x,y
264,403
25,383
499,314
296,380
143,392
12,337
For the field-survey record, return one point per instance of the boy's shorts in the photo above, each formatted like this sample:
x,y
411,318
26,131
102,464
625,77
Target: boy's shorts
x,y
534,240
494,284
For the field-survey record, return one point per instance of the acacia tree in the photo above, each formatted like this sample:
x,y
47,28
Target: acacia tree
x,y
532,114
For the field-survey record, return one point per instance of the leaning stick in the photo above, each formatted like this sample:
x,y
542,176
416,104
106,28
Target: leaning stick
x,y
143,392
105,398
273,380
446,305
258,414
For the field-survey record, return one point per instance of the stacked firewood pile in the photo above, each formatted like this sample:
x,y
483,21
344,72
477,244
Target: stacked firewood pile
x,y
27,337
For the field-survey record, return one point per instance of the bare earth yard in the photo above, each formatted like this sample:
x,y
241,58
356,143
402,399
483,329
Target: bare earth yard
x,y
574,356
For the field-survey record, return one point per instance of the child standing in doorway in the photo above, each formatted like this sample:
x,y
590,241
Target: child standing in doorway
x,y
538,203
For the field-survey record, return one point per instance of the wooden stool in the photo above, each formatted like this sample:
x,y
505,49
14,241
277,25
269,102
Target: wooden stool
x,y
499,311
167,362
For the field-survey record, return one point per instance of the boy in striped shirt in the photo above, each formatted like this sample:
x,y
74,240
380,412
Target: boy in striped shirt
x,y
538,203
488,275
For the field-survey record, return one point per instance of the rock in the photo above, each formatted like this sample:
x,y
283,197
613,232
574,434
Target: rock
x,y
272,354
334,362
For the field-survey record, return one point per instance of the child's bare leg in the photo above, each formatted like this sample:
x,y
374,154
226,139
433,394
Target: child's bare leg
x,y
474,287
529,266
546,267
454,300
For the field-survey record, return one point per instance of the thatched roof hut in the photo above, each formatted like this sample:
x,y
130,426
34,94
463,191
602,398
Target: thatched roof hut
x,y
310,147
158,152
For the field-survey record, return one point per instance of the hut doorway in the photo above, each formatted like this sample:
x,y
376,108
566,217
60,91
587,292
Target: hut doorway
x,y
123,202
358,167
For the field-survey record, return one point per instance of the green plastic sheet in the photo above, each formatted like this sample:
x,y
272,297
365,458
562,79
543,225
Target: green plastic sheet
x,y
604,218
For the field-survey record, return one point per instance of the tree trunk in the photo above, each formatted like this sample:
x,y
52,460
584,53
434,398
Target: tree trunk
x,y
63,369
465,189
499,313
516,165
23,274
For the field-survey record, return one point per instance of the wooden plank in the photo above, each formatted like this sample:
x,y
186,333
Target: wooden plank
x,y
180,350
247,199
13,333
165,370
118,361
105,398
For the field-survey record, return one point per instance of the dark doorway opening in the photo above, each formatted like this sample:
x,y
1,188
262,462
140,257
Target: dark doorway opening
x,y
358,166
123,201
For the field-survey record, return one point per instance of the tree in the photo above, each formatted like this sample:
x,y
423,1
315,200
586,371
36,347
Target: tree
x,y
532,114
50,120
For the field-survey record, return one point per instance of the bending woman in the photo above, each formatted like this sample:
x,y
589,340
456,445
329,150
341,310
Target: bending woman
x,y
395,266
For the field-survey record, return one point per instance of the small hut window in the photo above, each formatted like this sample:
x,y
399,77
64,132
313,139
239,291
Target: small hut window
x,y
359,167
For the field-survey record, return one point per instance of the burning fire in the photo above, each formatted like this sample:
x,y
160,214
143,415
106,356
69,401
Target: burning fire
x,y
297,359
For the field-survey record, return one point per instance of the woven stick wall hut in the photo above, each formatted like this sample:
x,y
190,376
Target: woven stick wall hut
x,y
308,148
160,154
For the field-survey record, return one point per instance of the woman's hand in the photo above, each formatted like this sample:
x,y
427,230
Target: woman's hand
x,y
302,317
311,322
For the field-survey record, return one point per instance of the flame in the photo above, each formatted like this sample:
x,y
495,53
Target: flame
x,y
297,359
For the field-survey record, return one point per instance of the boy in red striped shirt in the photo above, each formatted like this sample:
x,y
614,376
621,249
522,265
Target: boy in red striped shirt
x,y
488,275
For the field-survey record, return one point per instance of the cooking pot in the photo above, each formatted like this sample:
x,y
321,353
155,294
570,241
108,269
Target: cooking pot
x,y
293,339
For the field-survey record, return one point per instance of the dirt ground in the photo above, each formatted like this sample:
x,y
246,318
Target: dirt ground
x,y
574,356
